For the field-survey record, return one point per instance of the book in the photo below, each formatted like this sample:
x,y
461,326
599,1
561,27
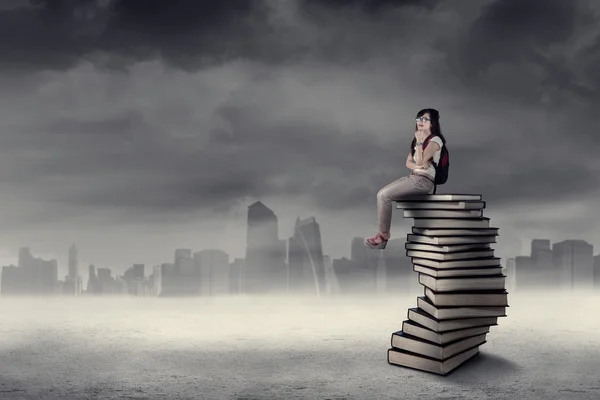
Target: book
x,y
455,232
498,298
441,325
457,272
442,197
403,341
468,263
458,312
414,329
449,240
441,205
455,284
454,223
443,214
459,255
415,361
451,248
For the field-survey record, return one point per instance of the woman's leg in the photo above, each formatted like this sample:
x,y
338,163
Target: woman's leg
x,y
406,186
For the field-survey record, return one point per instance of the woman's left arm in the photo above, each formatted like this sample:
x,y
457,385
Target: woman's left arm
x,y
422,157
432,147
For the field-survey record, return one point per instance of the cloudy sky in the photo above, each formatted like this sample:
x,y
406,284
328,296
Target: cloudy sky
x,y
135,127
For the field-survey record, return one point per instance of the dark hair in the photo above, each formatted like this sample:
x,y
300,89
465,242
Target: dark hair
x,y
436,128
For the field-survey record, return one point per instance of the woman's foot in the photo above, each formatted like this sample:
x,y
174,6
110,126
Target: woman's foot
x,y
377,242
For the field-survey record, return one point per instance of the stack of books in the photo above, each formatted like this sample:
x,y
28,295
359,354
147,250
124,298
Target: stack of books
x,y
464,284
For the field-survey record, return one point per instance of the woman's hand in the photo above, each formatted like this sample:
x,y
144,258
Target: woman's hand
x,y
421,135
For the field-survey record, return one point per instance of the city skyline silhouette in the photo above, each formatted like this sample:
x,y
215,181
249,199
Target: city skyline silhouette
x,y
296,265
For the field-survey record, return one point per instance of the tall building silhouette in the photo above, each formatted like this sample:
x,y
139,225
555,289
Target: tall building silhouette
x,y
31,277
295,265
264,269
26,271
25,257
214,272
94,286
157,280
575,259
540,246
305,259
184,279
235,276
73,282
183,258
544,272
134,278
168,280
138,271
332,286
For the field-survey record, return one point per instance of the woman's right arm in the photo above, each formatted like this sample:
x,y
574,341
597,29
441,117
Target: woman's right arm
x,y
417,156
410,163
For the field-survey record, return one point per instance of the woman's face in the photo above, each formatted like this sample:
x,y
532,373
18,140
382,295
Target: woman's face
x,y
424,122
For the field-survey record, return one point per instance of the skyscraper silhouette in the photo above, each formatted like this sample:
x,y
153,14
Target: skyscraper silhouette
x,y
575,259
264,270
93,286
305,258
295,264
74,284
543,268
214,272
32,277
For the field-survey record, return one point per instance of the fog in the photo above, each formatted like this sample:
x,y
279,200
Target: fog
x,y
284,347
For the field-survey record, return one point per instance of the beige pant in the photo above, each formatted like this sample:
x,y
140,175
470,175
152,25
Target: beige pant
x,y
406,186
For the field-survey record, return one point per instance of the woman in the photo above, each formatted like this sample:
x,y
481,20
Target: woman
x,y
421,178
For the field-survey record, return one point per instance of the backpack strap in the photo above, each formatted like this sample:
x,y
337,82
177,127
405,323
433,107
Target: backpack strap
x,y
426,141
434,188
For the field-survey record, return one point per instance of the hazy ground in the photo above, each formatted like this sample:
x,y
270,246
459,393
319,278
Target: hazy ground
x,y
547,348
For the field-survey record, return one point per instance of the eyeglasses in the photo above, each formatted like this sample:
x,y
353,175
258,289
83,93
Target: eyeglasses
x,y
422,119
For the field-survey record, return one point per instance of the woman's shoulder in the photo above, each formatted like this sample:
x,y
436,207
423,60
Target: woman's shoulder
x,y
438,140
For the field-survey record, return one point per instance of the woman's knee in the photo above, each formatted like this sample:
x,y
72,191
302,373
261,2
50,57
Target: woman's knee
x,y
382,195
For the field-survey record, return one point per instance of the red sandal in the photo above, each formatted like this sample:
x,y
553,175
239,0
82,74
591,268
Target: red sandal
x,y
372,242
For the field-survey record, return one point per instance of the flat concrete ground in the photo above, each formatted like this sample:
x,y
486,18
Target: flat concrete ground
x,y
283,348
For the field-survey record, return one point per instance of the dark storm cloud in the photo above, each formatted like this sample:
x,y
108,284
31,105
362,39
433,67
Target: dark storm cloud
x,y
520,49
512,31
193,34
58,33
369,6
